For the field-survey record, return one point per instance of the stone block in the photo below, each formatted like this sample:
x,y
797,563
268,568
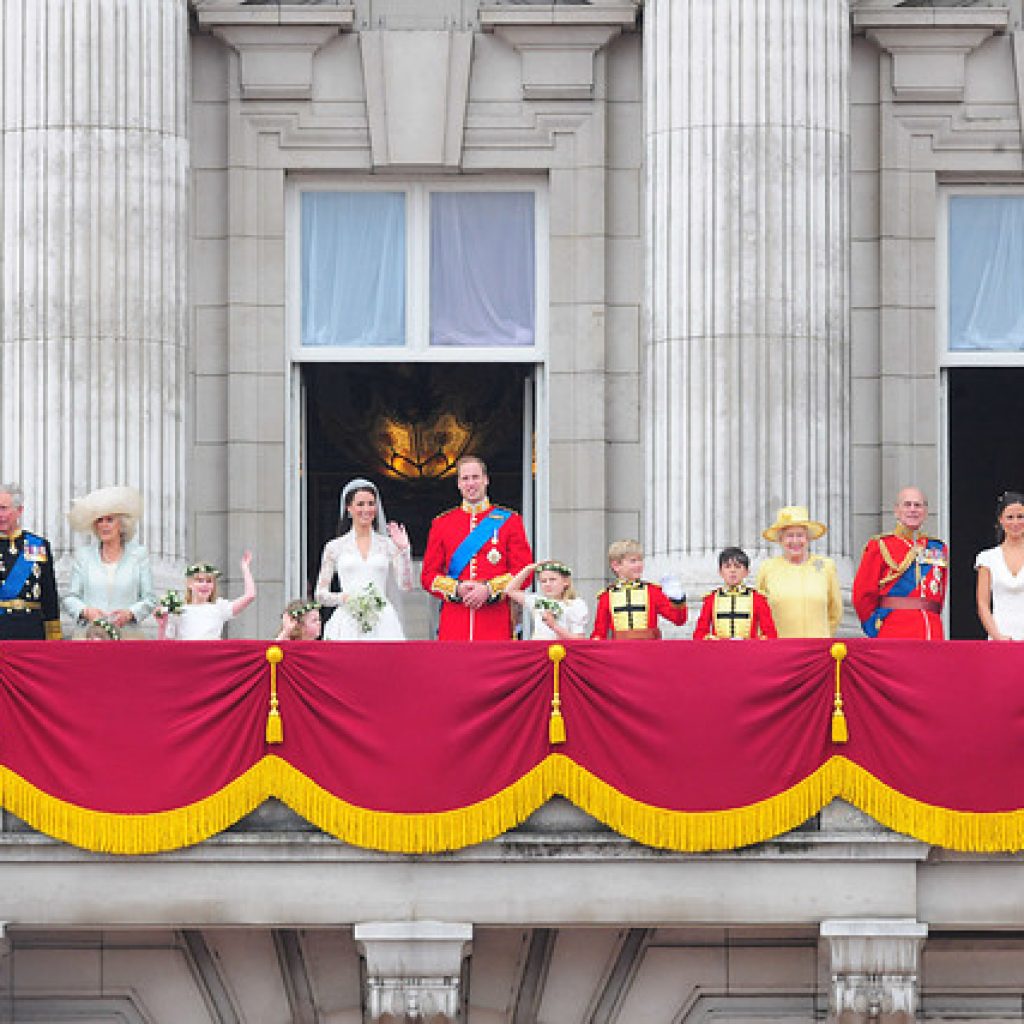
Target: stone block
x,y
765,969
211,68
208,478
210,207
864,138
864,206
863,71
577,404
626,469
625,136
80,969
209,135
494,77
864,342
622,332
622,391
864,274
338,71
210,410
863,398
209,271
625,203
624,63
625,277
209,339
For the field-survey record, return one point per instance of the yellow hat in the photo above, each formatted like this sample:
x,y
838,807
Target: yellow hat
x,y
794,515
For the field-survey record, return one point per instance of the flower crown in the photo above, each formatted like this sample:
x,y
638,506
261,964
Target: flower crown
x,y
202,567
552,566
303,609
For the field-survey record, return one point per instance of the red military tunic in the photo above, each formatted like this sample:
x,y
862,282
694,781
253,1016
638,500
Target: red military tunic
x,y
735,613
629,610
505,552
916,567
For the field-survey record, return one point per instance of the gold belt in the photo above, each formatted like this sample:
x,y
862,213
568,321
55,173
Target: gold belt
x,y
22,606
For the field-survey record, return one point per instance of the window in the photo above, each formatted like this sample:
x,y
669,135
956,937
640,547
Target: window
x,y
986,273
421,271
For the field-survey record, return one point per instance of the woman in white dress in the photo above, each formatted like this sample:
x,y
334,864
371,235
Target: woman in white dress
x,y
362,559
1001,572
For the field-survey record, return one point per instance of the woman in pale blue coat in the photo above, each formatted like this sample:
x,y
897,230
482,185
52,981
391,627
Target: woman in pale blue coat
x,y
111,579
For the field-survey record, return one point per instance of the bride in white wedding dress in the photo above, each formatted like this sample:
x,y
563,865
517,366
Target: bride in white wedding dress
x,y
362,559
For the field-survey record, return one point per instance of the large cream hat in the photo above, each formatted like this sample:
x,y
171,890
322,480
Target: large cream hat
x,y
794,515
106,501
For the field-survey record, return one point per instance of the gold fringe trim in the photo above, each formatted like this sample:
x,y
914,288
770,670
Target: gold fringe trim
x,y
967,831
684,831
691,831
106,832
413,833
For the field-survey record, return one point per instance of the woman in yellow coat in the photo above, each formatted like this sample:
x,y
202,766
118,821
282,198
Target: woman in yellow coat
x,y
802,589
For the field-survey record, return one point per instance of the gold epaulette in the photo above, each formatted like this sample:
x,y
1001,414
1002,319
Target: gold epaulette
x,y
447,510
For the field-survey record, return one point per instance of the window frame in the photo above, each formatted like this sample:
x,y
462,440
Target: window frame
x,y
417,347
946,355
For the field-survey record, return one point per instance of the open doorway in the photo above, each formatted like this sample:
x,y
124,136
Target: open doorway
x,y
403,426
986,457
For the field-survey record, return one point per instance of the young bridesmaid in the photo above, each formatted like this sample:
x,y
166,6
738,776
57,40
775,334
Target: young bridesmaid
x,y
204,614
300,621
558,614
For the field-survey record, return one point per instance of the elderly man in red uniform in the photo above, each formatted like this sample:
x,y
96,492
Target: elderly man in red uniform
x,y
472,553
900,584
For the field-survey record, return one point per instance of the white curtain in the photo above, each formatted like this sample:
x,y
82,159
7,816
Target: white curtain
x,y
986,273
353,268
481,268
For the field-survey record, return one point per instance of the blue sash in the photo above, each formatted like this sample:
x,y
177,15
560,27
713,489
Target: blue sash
x,y
901,588
21,570
476,539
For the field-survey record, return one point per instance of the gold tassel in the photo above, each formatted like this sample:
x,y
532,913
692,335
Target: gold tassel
x,y
275,727
840,732
556,726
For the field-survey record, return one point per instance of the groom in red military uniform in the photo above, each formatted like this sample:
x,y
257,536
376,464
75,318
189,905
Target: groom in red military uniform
x,y
900,584
472,553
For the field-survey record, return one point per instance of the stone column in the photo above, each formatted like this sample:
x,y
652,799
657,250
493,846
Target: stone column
x,y
413,968
874,968
94,273
747,364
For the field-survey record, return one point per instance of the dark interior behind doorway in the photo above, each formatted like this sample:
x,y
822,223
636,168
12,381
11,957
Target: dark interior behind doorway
x,y
403,426
986,457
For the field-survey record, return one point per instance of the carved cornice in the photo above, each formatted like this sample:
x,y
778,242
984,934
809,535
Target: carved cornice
x,y
557,43
929,46
275,45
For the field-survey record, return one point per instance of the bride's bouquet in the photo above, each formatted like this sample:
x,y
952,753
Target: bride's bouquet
x,y
365,607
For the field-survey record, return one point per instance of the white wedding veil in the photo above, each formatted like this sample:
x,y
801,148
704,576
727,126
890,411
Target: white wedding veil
x,y
361,484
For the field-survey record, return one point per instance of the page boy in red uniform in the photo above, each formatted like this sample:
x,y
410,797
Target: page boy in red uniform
x,y
630,608
734,611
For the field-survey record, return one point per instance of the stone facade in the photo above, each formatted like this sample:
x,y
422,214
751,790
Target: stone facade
x,y
153,153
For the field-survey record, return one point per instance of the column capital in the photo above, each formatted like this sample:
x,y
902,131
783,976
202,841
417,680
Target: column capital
x,y
413,968
874,967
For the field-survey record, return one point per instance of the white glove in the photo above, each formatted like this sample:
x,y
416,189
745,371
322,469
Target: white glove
x,y
672,586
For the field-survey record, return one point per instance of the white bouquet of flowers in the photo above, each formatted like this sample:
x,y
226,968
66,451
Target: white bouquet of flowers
x,y
171,603
365,607
546,604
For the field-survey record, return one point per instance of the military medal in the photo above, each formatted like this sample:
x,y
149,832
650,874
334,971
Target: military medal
x,y
494,556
